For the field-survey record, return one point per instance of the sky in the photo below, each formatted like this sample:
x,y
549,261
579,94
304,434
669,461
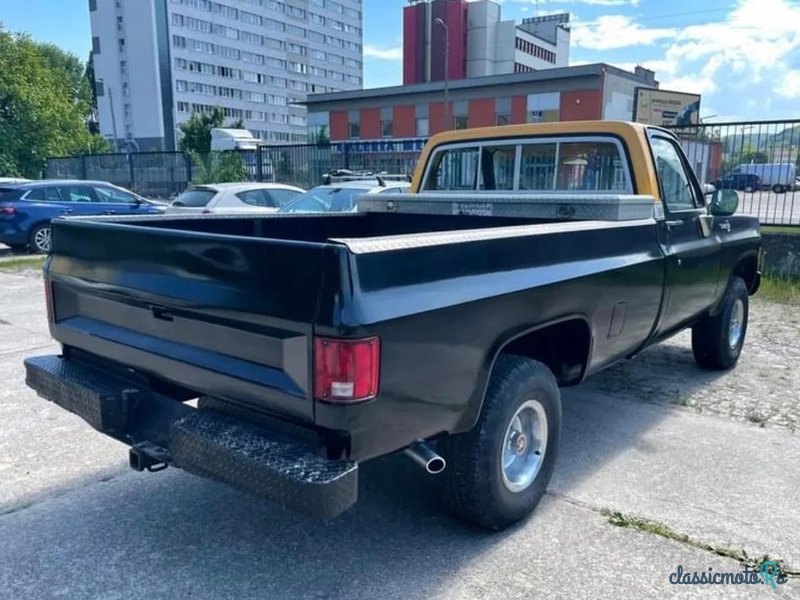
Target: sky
x,y
743,56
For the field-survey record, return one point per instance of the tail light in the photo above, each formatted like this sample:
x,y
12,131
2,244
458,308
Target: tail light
x,y
48,298
346,371
7,210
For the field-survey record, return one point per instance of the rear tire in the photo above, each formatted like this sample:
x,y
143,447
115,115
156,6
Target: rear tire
x,y
717,341
41,239
778,189
498,472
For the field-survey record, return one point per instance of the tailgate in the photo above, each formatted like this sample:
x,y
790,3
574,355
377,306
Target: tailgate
x,y
222,315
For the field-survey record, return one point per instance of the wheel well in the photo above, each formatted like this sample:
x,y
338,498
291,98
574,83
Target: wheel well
x,y
564,347
747,269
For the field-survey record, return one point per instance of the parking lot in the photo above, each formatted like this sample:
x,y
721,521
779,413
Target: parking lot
x,y
661,465
769,207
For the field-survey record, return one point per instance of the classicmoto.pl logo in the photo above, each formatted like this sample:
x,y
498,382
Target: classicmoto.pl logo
x,y
768,573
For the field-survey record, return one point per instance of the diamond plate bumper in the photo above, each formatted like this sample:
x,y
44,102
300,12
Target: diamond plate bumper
x,y
205,443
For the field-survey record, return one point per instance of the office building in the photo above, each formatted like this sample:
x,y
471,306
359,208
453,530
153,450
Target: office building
x,y
474,41
159,61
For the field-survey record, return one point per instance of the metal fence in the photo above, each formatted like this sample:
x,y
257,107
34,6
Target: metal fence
x,y
761,159
166,174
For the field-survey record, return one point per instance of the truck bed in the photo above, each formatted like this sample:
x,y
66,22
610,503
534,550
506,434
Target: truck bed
x,y
227,307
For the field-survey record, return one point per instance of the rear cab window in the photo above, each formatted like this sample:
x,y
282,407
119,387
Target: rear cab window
x,y
195,198
581,163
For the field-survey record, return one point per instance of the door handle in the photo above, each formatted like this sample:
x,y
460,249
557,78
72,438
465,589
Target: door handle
x,y
725,225
675,223
111,212
67,211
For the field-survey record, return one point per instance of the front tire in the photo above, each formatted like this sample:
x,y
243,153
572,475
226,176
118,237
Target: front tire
x,y
41,239
717,341
498,472
778,189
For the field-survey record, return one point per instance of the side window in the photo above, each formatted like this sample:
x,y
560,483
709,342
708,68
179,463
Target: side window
x,y
36,194
114,196
255,198
454,169
497,167
281,197
78,194
676,188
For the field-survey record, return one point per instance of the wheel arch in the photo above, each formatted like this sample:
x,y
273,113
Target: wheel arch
x,y
568,359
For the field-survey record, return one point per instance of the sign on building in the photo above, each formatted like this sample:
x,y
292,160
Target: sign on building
x,y
665,108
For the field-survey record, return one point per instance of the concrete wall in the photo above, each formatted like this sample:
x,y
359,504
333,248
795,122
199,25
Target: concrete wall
x,y
781,254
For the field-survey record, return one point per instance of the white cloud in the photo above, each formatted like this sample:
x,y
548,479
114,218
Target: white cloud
x,y
616,31
746,63
383,53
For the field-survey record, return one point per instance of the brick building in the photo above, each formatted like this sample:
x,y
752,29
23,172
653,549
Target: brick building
x,y
596,91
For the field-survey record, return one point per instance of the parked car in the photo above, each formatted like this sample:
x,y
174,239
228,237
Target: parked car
x,y
743,182
441,326
229,198
12,180
341,196
26,209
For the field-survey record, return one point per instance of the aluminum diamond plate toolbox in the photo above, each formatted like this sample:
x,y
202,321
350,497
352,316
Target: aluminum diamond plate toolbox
x,y
562,206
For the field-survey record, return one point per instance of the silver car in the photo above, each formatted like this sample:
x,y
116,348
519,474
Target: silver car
x,y
231,198
341,197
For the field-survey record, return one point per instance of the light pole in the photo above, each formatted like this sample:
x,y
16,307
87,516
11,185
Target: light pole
x,y
439,21
107,90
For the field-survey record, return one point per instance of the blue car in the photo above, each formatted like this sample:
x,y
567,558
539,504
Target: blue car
x,y
26,209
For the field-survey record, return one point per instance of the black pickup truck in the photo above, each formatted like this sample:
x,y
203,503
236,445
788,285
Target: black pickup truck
x,y
277,352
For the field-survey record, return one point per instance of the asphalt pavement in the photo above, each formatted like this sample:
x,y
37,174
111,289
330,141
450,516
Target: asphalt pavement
x,y
76,523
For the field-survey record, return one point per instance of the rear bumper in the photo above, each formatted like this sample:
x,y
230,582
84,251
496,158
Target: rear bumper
x,y
202,442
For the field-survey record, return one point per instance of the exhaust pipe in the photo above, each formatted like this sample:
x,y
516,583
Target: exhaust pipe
x,y
422,454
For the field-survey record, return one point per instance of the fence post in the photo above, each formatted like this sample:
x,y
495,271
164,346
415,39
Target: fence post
x,y
188,162
260,163
83,167
346,155
131,181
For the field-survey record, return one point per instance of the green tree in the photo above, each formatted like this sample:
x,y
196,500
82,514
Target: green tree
x,y
217,167
751,155
319,137
196,132
44,105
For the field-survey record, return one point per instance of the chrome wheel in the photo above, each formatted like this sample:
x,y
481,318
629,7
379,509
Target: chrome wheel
x,y
42,239
737,324
524,446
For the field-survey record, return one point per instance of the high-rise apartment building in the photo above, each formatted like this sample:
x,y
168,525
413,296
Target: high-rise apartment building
x,y
158,61
474,41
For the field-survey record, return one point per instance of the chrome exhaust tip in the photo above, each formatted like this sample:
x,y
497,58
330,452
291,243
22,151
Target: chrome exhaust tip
x,y
422,454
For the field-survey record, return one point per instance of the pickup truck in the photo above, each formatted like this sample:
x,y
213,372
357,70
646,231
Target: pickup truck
x,y
278,352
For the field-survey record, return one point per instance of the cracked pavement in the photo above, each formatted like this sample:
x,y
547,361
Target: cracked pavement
x,y
76,523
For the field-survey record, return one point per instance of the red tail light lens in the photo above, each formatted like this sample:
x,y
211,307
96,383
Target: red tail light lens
x,y
346,371
7,210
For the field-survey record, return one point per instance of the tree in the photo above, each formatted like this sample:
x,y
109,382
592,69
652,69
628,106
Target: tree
x,y
44,105
196,132
319,137
217,167
751,155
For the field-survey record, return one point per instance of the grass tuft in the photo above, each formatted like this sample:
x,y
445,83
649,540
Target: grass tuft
x,y
21,263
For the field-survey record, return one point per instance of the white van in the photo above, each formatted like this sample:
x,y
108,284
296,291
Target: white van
x,y
778,176
233,139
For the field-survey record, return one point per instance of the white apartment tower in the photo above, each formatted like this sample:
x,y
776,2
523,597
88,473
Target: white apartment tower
x,y
158,61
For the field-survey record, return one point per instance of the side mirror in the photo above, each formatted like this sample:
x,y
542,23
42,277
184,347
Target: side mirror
x,y
724,203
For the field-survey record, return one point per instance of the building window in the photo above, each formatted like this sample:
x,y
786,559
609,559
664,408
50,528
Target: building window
x,y
503,111
123,67
125,89
127,111
119,23
354,127
92,5
461,123
121,44
96,45
423,127
387,123
543,107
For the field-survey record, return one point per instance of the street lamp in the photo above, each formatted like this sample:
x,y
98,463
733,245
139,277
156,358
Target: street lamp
x,y
107,90
439,21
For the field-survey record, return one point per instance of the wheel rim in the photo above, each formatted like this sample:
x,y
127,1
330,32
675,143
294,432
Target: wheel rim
x,y
737,324
524,446
42,239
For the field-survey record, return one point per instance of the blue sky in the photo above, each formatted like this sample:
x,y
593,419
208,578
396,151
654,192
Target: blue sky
x,y
742,55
